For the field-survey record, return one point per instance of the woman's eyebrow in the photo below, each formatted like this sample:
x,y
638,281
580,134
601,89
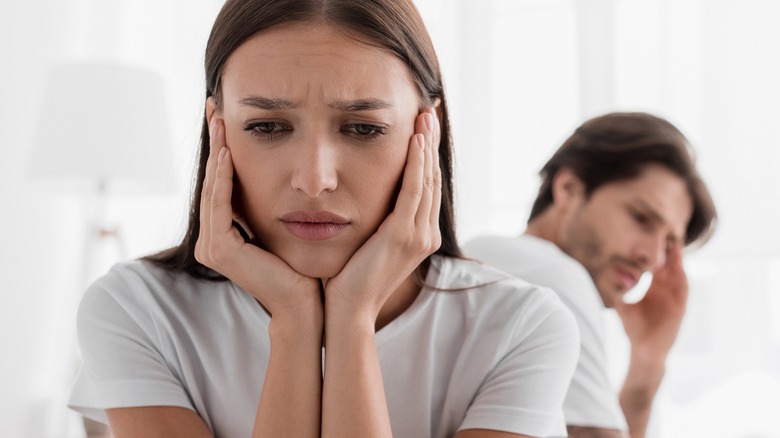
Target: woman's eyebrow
x,y
360,105
267,103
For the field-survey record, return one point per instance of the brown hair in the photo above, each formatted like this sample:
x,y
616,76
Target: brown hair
x,y
393,25
618,146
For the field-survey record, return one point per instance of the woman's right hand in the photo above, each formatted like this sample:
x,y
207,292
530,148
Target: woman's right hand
x,y
220,246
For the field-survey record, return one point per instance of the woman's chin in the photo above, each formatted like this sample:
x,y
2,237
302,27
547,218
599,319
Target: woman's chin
x,y
313,266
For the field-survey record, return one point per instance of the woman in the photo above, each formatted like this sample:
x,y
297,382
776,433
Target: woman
x,y
319,289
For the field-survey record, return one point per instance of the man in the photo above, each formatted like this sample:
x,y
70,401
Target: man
x,y
620,197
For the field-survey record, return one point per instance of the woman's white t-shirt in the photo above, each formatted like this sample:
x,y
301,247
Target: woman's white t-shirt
x,y
477,350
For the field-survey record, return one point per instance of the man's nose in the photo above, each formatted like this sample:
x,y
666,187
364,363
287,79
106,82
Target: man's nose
x,y
652,251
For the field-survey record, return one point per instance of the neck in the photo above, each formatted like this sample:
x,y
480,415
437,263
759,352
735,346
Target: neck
x,y
545,226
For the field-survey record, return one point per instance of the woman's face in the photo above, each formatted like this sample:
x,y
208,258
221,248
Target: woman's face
x,y
318,125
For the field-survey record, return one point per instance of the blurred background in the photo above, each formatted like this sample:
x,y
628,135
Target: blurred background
x,y
521,75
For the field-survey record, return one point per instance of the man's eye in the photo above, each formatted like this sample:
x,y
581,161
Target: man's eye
x,y
641,218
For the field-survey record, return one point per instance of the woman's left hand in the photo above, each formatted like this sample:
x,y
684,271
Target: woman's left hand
x,y
408,235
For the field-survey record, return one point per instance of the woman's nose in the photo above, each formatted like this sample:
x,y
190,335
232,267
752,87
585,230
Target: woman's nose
x,y
315,169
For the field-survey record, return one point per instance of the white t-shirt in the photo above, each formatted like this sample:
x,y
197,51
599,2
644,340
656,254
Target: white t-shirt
x,y
499,356
591,400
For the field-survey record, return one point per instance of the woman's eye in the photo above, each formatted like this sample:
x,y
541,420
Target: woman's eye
x,y
364,131
267,130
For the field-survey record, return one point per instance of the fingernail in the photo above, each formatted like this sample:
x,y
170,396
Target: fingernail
x,y
428,121
421,141
222,153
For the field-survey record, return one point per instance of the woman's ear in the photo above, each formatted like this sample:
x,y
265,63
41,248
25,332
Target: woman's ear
x,y
567,188
211,109
437,108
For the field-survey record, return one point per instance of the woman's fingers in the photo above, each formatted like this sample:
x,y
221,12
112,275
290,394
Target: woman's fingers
x,y
221,197
412,185
202,244
424,125
437,181
216,212
216,142
420,195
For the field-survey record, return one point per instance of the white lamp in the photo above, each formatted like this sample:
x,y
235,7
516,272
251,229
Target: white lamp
x,y
103,127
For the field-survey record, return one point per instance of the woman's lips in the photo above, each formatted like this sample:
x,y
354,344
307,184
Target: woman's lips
x,y
314,225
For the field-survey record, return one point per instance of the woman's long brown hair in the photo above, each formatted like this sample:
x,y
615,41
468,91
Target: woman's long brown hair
x,y
393,25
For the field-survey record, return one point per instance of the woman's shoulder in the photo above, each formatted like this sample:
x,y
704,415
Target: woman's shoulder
x,y
140,287
140,276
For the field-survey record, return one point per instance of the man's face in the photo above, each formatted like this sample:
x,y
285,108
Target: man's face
x,y
625,228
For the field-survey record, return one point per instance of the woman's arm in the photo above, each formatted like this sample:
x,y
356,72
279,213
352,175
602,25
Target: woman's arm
x,y
157,422
484,433
353,393
290,402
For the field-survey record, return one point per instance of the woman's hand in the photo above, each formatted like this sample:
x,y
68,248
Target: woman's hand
x,y
406,237
221,247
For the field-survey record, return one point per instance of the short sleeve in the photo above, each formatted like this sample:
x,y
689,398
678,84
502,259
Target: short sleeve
x,y
122,365
525,391
591,400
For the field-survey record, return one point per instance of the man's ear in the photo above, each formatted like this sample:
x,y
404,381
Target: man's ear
x,y
567,188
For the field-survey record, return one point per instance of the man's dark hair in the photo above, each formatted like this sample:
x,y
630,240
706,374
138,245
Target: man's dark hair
x,y
618,146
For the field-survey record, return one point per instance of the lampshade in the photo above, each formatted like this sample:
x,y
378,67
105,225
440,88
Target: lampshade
x,y
102,125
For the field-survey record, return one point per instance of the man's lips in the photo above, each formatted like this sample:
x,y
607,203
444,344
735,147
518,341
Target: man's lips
x,y
314,225
627,276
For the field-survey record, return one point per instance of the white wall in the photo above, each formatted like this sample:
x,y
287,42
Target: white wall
x,y
42,230
515,73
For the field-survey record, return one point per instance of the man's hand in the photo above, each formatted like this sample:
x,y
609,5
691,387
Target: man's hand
x,y
652,326
653,323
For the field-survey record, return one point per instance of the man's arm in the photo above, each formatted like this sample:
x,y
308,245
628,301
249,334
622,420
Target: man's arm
x,y
652,326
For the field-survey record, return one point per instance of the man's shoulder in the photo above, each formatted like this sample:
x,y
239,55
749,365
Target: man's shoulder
x,y
478,285
540,262
531,258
